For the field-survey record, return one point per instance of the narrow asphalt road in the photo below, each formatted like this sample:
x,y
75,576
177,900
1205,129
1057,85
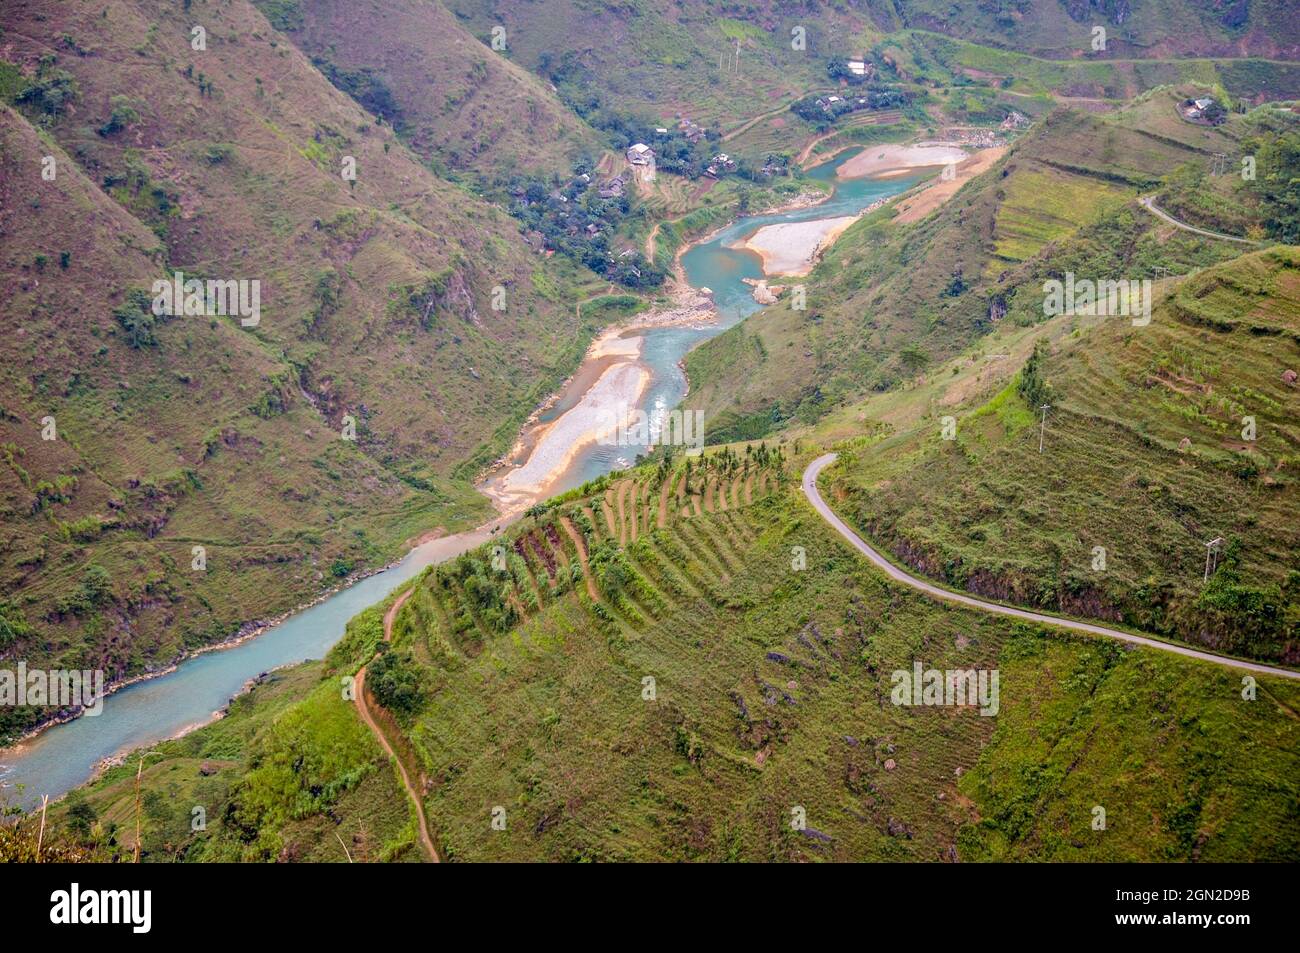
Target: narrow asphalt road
x,y
1148,203
363,708
898,575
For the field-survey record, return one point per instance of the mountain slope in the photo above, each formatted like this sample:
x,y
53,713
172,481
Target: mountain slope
x,y
1144,456
888,300
454,99
376,305
651,670
1134,28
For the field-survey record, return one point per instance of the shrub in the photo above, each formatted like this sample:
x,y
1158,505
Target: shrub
x,y
136,317
395,683
50,91
122,114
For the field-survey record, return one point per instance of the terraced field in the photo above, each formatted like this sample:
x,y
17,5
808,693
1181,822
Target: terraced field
x,y
621,548
710,679
1042,206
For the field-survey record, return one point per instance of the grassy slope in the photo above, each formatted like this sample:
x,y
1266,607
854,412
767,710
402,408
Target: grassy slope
x,y
987,512
772,692
310,779
883,286
931,59
223,436
662,59
461,103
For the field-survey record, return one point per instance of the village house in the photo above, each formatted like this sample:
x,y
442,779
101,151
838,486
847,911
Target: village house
x,y
612,189
720,163
860,67
691,130
1015,120
640,154
1198,109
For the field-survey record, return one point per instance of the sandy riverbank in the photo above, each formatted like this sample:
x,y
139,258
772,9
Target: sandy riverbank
x,y
887,161
916,206
611,375
559,443
792,248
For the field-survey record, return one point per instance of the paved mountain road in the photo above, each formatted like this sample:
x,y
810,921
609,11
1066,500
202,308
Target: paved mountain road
x,y
898,575
1148,203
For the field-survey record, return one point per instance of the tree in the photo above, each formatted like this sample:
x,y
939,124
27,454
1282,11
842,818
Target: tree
x,y
393,680
136,317
81,816
1033,386
12,625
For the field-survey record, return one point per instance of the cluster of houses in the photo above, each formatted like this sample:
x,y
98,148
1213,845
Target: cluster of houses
x,y
834,106
641,155
719,164
975,138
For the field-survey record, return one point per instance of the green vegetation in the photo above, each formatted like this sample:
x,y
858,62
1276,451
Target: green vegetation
x,y
674,661
197,430
290,773
1062,199
1145,461
704,678
49,92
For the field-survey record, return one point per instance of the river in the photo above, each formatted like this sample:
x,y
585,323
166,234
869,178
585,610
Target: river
x,y
65,756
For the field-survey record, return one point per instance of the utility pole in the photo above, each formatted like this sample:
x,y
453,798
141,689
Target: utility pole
x,y
1211,553
737,56
1042,427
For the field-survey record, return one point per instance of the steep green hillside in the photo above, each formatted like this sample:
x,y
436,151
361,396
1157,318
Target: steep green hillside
x,y
609,688
314,786
889,300
1145,455
454,99
671,59
376,307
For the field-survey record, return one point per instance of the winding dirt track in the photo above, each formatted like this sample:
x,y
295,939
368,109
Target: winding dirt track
x,y
363,709
898,575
